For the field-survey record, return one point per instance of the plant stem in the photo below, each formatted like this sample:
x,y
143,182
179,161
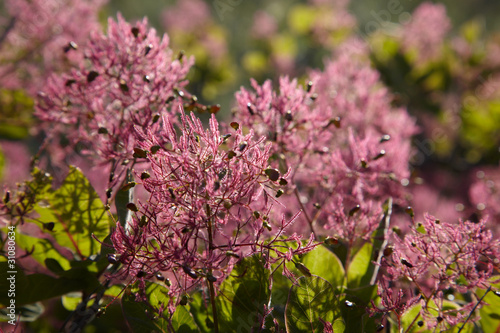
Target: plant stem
x,y
214,309
474,309
305,213
210,283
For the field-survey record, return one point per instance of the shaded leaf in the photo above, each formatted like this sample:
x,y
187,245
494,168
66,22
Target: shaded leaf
x,y
313,298
242,296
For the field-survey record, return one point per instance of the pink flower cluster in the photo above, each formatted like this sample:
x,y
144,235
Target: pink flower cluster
x,y
127,79
348,146
38,36
426,31
210,198
436,258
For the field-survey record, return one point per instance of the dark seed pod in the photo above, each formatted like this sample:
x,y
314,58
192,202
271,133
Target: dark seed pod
x,y
250,109
147,49
232,254
91,76
156,117
288,115
406,263
235,125
49,226
132,207
266,225
385,138
102,130
160,277
380,327
154,149
178,92
279,193
256,214
170,99
143,221
409,211
354,210
141,274
211,278
145,175
309,86
303,269
231,154
192,274
214,108
112,258
225,137
381,154
146,78
6,197
273,174
283,182
69,82
497,293
388,251
364,165
331,241
439,319
222,174
420,323
336,122
314,97
243,145
184,300
135,31
171,191
109,191
123,85
181,55
216,185
71,46
140,153
167,282
349,304
128,186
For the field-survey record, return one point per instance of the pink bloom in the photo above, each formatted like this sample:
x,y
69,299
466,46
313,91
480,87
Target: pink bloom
x,y
348,146
426,31
210,199
37,37
264,25
127,79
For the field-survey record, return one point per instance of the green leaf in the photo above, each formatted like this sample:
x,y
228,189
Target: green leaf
x,y
490,318
78,213
308,301
42,249
338,326
183,321
29,312
361,268
408,318
353,304
70,301
324,263
140,316
37,287
157,294
201,312
242,296
122,198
